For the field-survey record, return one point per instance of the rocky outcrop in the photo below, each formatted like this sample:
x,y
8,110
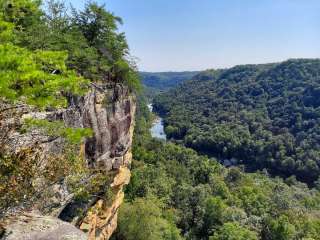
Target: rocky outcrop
x,y
109,112
101,220
36,227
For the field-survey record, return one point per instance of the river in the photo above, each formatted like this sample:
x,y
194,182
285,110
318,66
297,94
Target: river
x,y
157,129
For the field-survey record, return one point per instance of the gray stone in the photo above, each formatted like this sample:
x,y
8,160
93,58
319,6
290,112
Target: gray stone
x,y
117,163
36,227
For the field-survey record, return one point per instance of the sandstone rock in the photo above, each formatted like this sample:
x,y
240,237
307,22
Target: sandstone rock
x,y
109,112
122,178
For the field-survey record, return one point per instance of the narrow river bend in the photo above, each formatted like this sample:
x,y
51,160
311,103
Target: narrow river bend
x,y
157,129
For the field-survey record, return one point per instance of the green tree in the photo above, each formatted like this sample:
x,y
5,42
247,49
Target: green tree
x,y
143,220
279,229
29,76
214,214
99,27
38,77
22,13
233,231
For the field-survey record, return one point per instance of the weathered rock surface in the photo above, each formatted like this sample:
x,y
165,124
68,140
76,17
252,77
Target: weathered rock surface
x,y
102,217
37,227
109,112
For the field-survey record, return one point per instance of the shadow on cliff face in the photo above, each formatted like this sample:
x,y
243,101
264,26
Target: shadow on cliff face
x,y
109,112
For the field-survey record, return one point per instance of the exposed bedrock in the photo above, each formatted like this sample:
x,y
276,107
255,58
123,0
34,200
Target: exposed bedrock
x,y
109,112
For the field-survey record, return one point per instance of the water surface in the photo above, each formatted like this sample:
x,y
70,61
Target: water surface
x,y
157,129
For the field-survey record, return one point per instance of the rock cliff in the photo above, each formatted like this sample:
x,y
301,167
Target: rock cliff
x,y
54,204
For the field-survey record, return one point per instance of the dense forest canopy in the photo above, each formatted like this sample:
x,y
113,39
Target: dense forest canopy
x,y
264,116
176,194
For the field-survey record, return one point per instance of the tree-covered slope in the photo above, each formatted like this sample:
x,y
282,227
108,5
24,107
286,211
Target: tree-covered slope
x,y
176,194
265,116
163,81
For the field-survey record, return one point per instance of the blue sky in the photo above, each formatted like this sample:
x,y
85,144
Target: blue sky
x,y
176,35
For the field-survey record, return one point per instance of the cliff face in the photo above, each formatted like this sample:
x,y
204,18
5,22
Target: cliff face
x,y
109,112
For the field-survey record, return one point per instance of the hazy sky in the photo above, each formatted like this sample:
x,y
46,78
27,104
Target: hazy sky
x,y
199,34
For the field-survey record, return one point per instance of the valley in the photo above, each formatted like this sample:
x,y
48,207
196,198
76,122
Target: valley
x,y
99,141
265,116
214,196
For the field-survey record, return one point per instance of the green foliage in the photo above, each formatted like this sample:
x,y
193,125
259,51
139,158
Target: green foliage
x,y
126,73
27,76
22,13
233,231
264,116
214,214
89,40
6,31
208,201
162,81
143,219
58,129
100,29
279,228
150,181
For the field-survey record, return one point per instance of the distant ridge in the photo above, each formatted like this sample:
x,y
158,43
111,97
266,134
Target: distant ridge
x,y
265,115
163,81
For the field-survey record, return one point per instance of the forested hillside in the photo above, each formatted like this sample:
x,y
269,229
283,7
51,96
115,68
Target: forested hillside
x,y
71,102
176,194
263,116
156,82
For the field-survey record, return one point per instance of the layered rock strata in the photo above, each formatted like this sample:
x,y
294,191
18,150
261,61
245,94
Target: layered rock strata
x,y
109,112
